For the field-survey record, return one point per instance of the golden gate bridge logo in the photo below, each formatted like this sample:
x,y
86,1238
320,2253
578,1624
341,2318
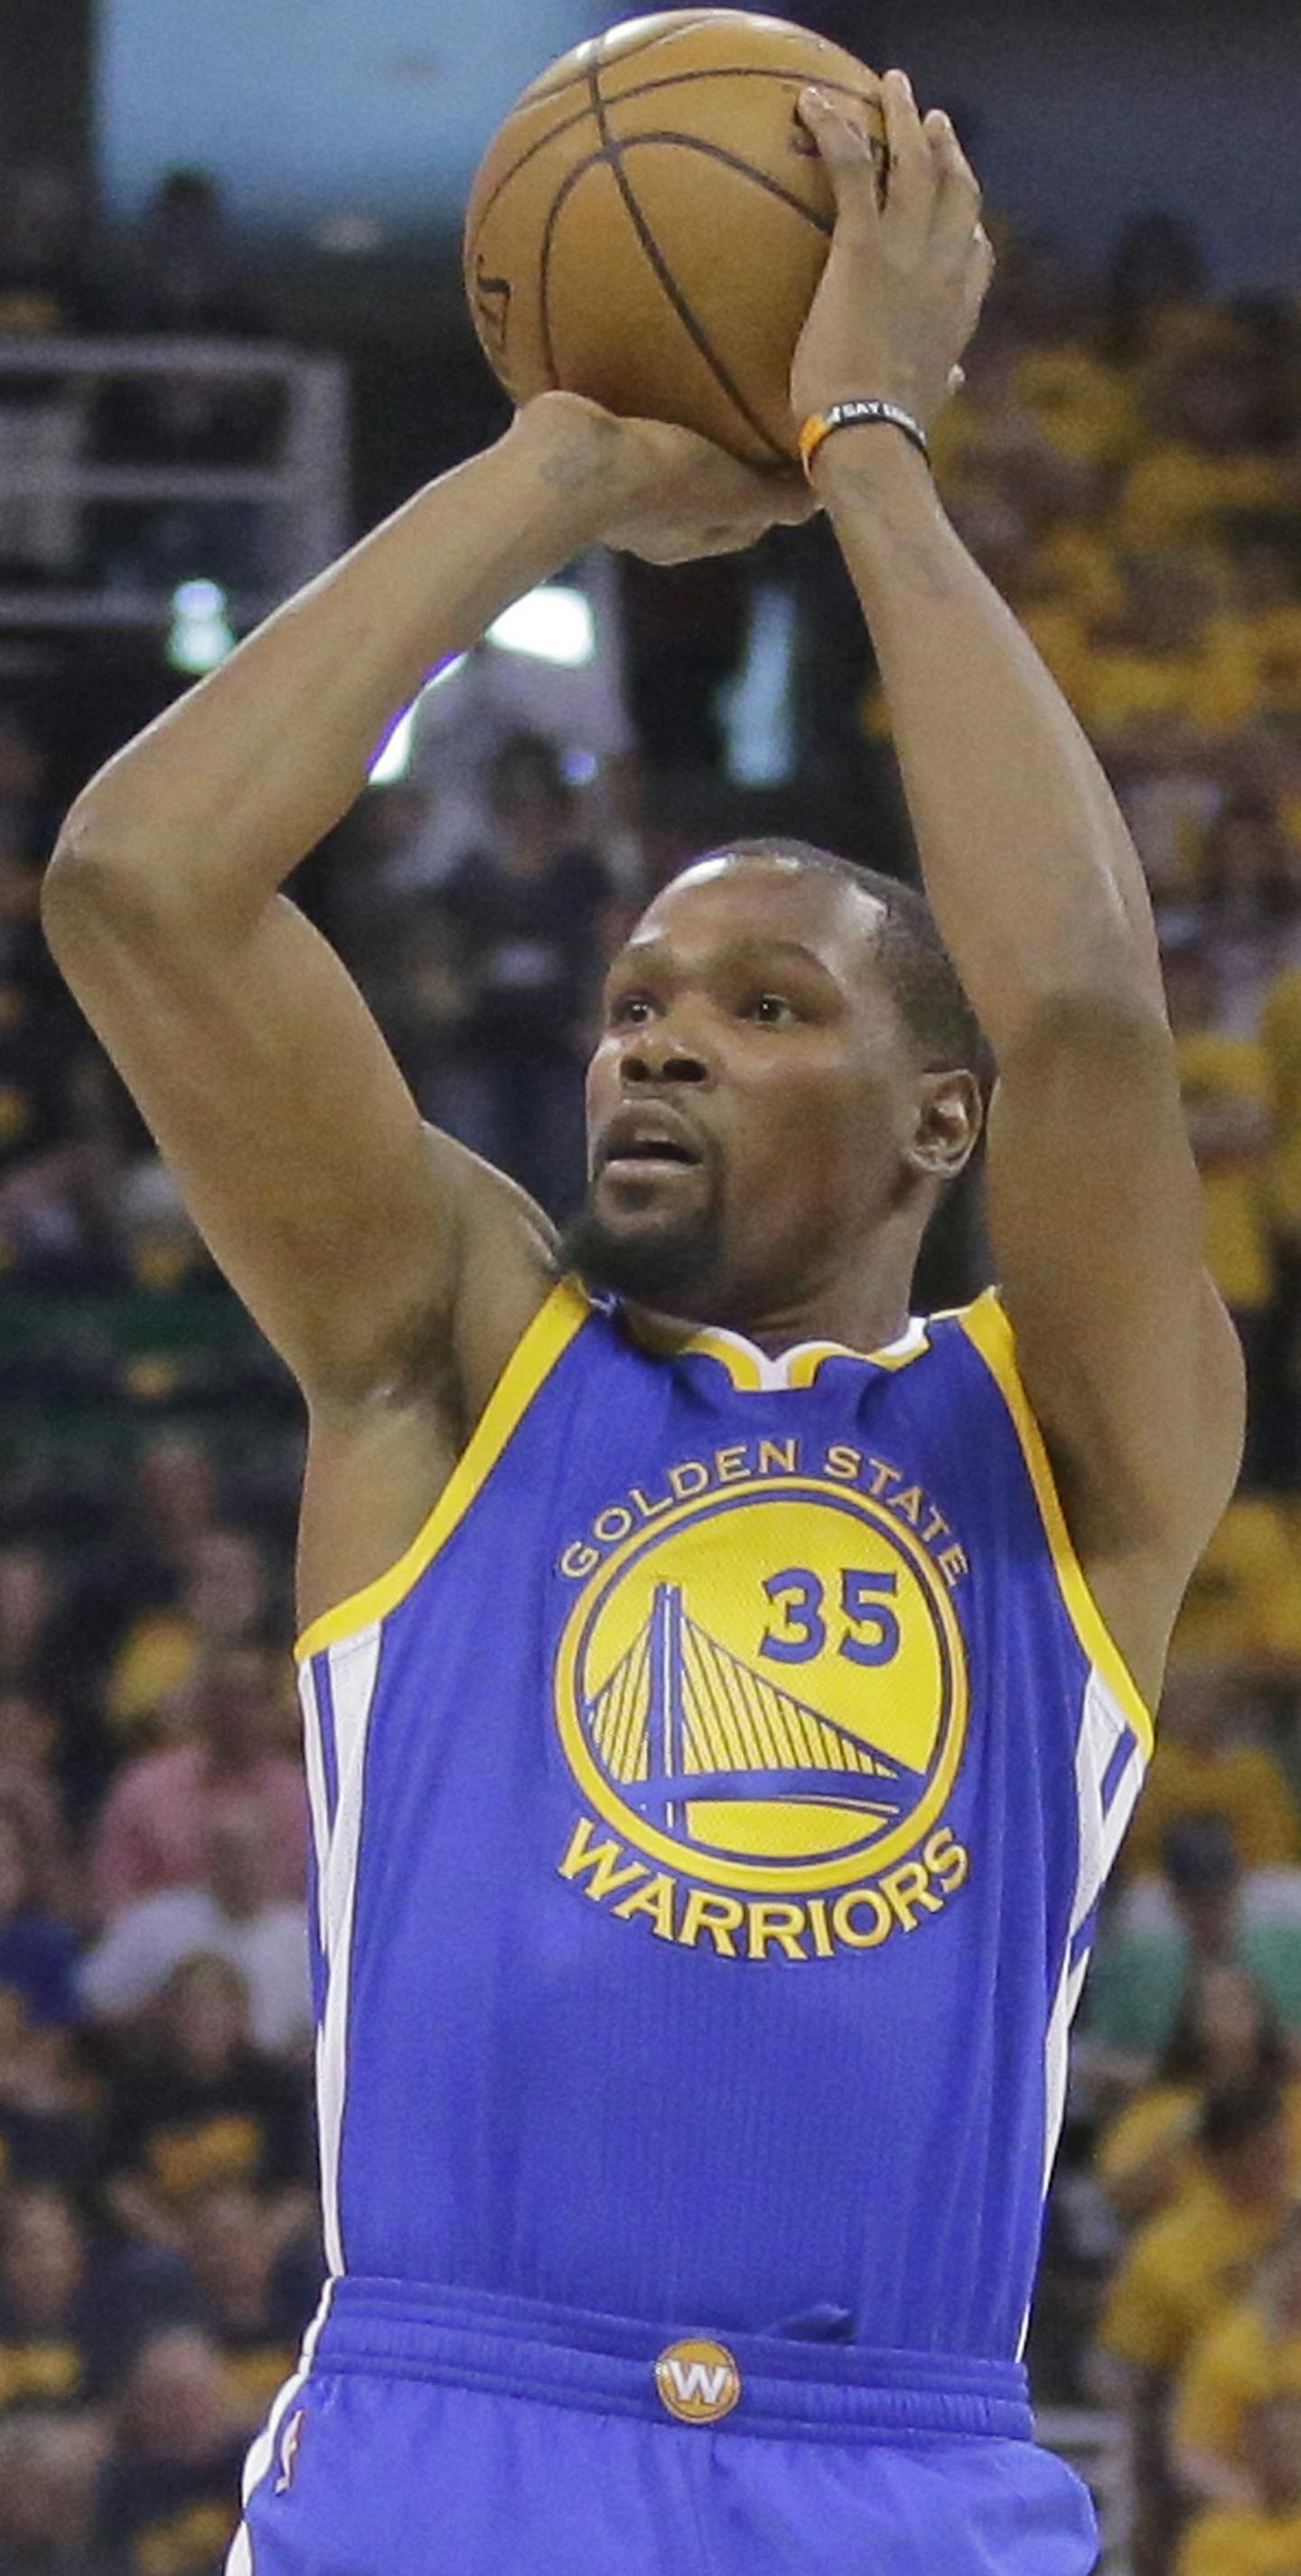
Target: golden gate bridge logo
x,y
767,1687
682,1719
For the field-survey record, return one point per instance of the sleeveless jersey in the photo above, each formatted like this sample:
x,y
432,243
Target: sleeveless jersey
x,y
710,1814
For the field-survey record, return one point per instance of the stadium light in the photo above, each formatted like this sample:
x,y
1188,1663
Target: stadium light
x,y
201,632
550,624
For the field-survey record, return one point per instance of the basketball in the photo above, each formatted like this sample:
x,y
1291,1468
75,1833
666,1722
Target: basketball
x,y
649,224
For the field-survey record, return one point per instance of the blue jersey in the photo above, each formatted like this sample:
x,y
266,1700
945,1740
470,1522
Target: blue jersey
x,y
711,1810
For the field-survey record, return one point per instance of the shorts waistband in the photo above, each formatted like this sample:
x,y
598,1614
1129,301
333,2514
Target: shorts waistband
x,y
696,2374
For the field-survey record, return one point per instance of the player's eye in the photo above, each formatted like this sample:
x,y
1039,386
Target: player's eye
x,y
628,1010
771,1010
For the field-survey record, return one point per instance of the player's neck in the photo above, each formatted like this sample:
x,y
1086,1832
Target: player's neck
x,y
860,1314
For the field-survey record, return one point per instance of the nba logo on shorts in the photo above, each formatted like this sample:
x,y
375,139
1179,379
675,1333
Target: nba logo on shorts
x,y
698,2381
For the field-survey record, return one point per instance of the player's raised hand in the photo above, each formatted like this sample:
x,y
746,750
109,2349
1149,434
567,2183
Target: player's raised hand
x,y
661,492
908,267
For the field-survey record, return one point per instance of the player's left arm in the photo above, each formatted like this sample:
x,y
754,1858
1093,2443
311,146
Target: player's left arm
x,y
1129,1359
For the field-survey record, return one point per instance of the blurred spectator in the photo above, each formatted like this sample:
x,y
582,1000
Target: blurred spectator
x,y
47,2130
252,2293
29,1798
525,916
1263,570
50,2465
71,2308
45,2347
1185,2266
1206,1763
184,269
61,1162
230,1914
224,1601
45,289
1280,1037
31,1615
572,700
1158,268
1216,447
1147,1969
1225,1091
1262,2538
1180,2273
1242,1609
186,273
1250,884
1251,2355
142,1563
169,2494
37,1950
200,2103
160,1810
29,810
1224,2034
175,1499
44,294
1163,656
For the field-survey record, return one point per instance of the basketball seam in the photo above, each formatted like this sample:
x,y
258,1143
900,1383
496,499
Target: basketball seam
x,y
668,282
824,224
666,80
563,192
605,156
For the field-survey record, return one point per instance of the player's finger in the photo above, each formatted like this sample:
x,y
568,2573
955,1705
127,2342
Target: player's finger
x,y
911,192
982,261
958,197
846,149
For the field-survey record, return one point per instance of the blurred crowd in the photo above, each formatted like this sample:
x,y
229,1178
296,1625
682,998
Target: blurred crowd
x,y
1125,460
180,271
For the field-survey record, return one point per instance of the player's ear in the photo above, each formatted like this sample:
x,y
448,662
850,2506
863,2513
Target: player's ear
x,y
950,1114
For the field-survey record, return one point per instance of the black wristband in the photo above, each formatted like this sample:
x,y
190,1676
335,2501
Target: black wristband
x,y
852,414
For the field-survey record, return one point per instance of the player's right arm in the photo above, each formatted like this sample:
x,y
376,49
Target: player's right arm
x,y
392,1270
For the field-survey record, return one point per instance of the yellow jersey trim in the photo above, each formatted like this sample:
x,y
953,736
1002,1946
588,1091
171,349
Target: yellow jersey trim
x,y
988,1325
751,1371
535,1355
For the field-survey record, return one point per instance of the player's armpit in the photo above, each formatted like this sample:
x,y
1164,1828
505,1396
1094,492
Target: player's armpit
x,y
1128,1357
346,1225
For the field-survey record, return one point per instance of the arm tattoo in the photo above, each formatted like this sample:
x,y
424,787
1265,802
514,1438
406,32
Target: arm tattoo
x,y
570,470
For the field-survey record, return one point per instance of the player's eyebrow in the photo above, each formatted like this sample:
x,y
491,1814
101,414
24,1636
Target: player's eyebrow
x,y
648,947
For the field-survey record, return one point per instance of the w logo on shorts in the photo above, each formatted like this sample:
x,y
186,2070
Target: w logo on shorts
x,y
698,2381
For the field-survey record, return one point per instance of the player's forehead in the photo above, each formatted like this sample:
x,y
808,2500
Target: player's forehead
x,y
720,904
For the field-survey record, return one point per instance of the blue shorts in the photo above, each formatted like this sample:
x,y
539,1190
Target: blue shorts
x,y
459,2434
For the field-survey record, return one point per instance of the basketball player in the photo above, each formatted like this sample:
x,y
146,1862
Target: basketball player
x,y
724,1695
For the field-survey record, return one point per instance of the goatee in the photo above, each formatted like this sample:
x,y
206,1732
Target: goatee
x,y
652,1264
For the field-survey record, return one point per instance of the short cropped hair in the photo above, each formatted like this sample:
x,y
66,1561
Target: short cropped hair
x,y
918,968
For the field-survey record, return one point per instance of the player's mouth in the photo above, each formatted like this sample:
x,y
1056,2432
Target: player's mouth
x,y
647,1143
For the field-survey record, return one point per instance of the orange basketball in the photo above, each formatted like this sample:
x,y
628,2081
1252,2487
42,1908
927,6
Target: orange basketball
x,y
649,224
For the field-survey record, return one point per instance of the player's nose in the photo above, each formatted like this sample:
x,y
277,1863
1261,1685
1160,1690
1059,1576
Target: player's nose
x,y
662,1054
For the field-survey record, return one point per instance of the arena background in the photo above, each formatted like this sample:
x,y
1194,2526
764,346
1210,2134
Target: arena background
x,y
231,337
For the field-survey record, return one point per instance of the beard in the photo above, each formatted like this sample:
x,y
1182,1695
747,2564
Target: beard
x,y
653,1264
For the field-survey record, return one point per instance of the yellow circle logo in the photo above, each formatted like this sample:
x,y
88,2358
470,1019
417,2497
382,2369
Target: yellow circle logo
x,y
698,2380
767,1686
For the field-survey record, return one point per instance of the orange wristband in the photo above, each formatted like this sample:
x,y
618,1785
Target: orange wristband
x,y
851,415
